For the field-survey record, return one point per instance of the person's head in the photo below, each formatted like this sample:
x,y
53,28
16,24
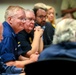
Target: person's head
x,y
50,14
40,14
30,20
65,31
15,16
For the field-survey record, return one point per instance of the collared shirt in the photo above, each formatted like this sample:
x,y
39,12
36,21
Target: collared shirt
x,y
9,48
25,39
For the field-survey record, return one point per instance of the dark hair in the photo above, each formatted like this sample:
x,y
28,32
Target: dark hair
x,y
37,8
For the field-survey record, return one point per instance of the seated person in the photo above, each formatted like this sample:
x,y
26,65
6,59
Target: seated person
x,y
41,14
64,41
8,70
51,15
30,43
10,49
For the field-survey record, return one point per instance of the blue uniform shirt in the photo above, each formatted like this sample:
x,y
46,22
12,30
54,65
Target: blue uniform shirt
x,y
9,48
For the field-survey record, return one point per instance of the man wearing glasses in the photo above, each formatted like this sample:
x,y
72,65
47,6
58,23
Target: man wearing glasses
x,y
31,44
40,14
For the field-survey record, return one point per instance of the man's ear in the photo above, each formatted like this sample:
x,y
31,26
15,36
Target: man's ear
x,y
9,19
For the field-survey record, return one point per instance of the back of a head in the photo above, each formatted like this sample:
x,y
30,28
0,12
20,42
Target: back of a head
x,y
11,11
65,31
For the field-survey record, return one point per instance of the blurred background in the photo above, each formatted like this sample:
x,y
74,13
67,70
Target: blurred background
x,y
28,4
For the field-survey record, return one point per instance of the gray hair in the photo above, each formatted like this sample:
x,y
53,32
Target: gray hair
x,y
65,31
11,11
28,10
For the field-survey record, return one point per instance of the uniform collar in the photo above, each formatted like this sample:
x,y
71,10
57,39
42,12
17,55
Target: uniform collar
x,y
8,25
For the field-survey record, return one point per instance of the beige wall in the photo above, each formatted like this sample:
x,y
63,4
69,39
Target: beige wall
x,y
27,4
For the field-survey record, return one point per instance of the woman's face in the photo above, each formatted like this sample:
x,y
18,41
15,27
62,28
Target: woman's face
x,y
50,15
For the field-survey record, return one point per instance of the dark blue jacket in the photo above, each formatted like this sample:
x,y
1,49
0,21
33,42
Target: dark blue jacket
x,y
64,49
9,48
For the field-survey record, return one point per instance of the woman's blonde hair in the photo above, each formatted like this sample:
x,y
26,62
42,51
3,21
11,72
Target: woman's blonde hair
x,y
48,8
65,31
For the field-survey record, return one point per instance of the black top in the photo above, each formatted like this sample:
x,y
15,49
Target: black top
x,y
25,39
48,34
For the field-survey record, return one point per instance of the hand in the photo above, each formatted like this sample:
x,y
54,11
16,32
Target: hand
x,y
37,28
34,57
38,31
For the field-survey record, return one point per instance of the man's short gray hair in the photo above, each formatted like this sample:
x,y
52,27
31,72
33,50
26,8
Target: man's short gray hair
x,y
12,11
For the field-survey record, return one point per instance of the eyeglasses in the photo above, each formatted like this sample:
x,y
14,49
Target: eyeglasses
x,y
30,19
20,18
41,16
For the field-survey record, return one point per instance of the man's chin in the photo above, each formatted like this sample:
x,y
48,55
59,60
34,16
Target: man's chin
x,y
43,23
30,29
21,29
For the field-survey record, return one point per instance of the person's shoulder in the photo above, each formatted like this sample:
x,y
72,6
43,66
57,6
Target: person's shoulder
x,y
6,29
48,23
22,32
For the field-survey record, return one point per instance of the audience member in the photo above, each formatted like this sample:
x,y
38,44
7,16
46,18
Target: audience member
x,y
68,6
64,42
41,14
8,70
51,15
10,50
30,44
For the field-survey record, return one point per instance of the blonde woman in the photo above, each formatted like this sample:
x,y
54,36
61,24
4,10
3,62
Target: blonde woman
x,y
51,15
